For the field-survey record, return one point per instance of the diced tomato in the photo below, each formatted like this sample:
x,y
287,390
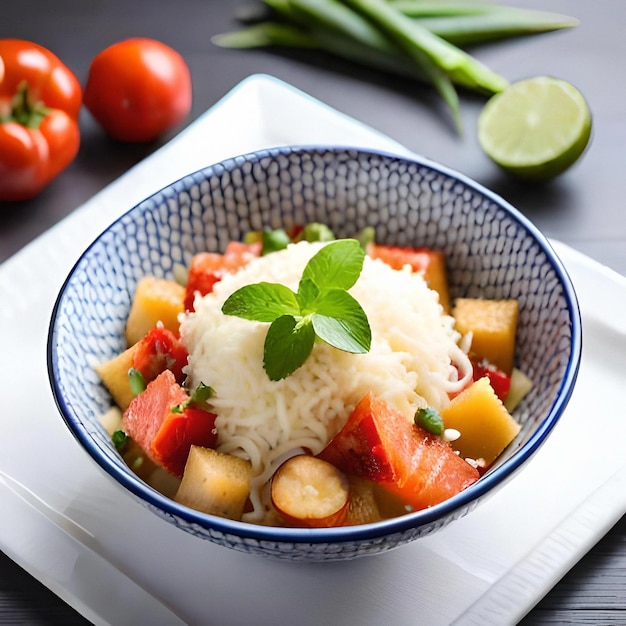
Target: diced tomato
x,y
500,381
432,263
380,444
165,434
238,249
294,231
160,350
207,268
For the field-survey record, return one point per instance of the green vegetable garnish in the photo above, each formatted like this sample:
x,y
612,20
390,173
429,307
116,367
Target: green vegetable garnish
x,y
136,381
418,39
322,308
198,398
367,235
430,420
120,440
316,232
274,240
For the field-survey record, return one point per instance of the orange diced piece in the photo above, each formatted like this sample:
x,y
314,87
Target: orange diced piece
x,y
156,300
493,324
485,425
431,263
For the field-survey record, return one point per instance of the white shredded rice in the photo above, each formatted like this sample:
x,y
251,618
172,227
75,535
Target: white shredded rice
x,y
414,361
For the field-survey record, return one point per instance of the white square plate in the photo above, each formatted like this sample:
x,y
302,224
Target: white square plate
x,y
70,526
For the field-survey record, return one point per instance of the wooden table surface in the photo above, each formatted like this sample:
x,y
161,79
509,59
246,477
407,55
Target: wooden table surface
x,y
583,208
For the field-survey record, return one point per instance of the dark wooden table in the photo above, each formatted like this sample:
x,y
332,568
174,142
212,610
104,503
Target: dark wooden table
x,y
584,208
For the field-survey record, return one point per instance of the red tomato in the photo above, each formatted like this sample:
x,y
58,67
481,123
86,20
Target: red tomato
x,y
40,99
137,89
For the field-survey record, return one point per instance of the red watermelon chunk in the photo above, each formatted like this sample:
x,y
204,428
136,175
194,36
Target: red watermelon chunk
x,y
164,431
380,444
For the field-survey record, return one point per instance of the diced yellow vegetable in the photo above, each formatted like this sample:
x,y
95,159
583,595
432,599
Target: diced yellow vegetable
x,y
363,507
112,420
493,324
520,386
215,483
114,375
148,470
436,276
486,427
155,300
389,504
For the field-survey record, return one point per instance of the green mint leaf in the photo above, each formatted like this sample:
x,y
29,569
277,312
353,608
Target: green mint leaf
x,y
321,308
307,293
273,241
288,345
262,302
430,420
136,381
335,266
341,322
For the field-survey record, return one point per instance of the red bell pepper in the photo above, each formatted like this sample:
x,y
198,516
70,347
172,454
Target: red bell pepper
x,y
500,381
40,99
380,444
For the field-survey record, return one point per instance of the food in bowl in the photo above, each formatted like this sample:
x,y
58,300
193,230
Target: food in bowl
x,y
306,382
491,253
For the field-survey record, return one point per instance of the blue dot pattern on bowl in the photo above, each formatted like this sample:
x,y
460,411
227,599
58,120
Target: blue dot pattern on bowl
x,y
491,251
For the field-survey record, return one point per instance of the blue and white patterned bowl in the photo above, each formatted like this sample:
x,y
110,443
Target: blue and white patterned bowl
x,y
491,251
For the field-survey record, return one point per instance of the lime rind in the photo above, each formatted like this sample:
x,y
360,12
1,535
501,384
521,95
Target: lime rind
x,y
537,128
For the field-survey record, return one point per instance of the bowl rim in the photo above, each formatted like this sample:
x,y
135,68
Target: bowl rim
x,y
383,528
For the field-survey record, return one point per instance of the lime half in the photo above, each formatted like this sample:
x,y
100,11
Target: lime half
x,y
536,128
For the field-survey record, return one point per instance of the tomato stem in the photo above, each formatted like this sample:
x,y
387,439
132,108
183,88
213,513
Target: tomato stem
x,y
24,110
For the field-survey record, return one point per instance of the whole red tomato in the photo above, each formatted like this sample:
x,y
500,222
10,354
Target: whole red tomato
x,y
137,89
40,99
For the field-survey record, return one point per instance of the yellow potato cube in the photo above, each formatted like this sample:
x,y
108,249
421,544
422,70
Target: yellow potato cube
x,y
486,427
493,324
215,483
114,375
363,507
155,300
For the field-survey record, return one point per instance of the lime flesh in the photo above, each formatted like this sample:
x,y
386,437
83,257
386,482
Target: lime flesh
x,y
536,128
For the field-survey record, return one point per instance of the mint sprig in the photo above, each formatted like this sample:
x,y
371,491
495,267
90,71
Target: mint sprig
x,y
322,308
